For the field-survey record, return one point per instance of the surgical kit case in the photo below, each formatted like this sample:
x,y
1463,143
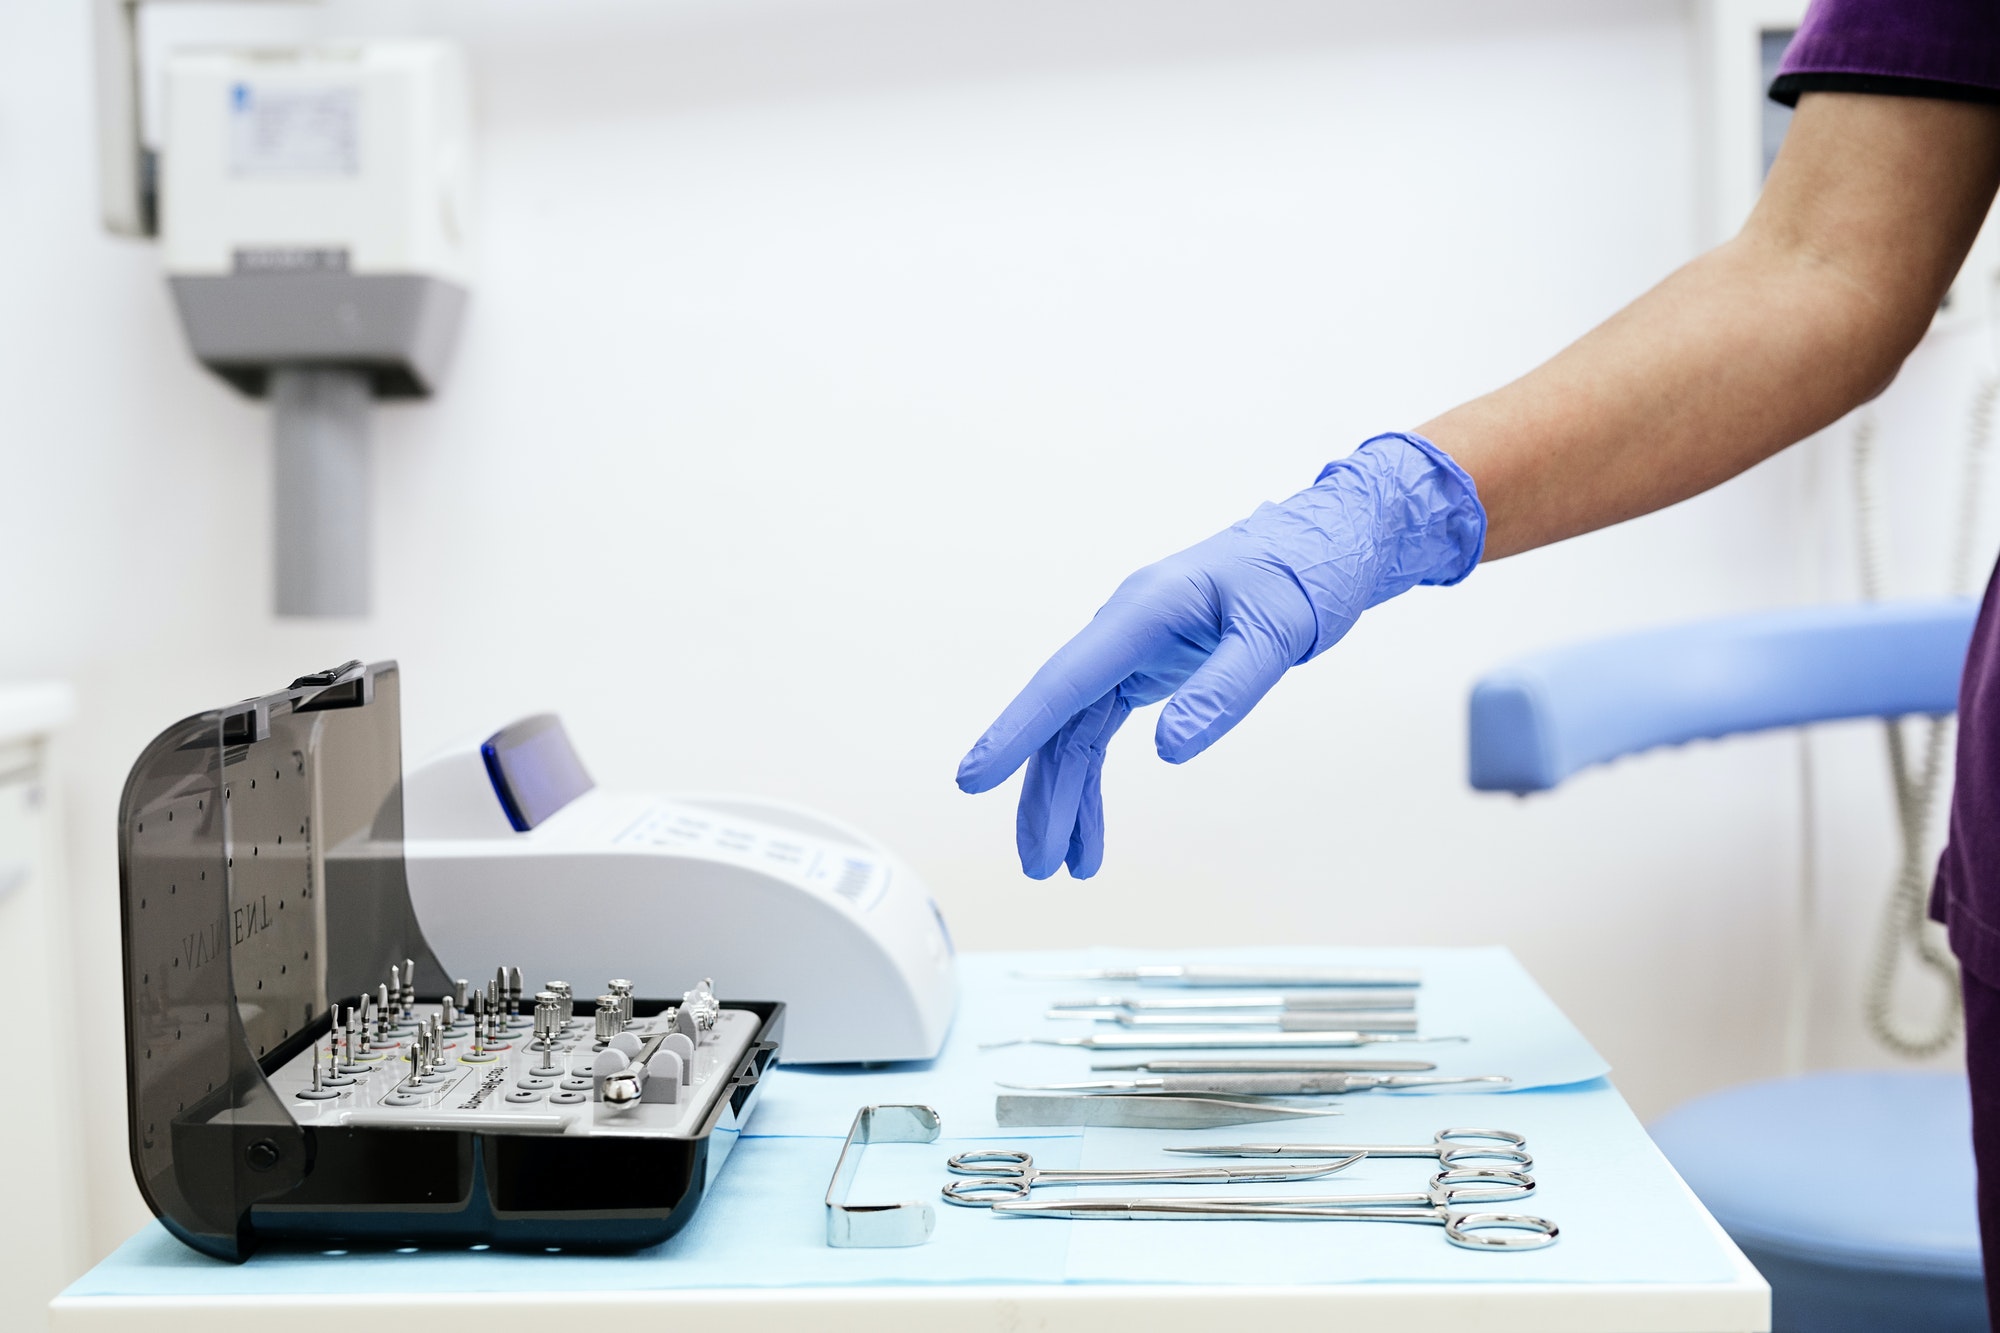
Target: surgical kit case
x,y
264,897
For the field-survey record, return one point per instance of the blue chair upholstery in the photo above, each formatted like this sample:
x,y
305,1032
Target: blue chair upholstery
x,y
1539,720
1851,1192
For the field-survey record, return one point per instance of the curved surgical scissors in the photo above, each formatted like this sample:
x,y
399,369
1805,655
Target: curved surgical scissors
x,y
1449,1146
1005,1173
1436,1206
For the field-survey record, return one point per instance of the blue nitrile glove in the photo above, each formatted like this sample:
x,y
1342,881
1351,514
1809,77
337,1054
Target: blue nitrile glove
x,y
1216,625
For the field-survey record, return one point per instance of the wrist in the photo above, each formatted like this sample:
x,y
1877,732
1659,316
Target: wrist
x,y
1430,527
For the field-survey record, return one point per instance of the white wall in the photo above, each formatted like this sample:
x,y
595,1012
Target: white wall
x,y
831,360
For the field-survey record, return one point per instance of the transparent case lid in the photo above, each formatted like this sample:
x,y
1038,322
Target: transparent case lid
x,y
261,873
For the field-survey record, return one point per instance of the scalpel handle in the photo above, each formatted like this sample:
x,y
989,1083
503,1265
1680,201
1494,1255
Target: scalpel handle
x,y
1260,1084
1293,1065
1199,975
1219,1041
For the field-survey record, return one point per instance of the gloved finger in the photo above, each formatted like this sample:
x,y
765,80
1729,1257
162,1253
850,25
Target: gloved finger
x,y
1241,671
1053,789
1116,643
1086,839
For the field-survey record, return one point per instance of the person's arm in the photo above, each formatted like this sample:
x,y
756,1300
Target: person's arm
x,y
1867,215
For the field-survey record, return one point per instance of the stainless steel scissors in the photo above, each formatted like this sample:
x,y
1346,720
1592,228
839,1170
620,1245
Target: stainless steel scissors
x,y
1449,1146
1005,1173
1436,1206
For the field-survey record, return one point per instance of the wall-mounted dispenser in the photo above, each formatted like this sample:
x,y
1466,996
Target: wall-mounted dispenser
x,y
311,202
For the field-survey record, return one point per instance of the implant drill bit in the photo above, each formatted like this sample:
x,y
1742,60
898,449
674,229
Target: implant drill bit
x,y
548,1022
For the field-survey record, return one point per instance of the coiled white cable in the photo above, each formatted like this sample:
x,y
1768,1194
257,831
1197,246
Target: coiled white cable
x,y
1903,934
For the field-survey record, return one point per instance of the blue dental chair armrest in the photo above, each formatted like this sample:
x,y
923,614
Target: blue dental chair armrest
x,y
1543,718
1833,1267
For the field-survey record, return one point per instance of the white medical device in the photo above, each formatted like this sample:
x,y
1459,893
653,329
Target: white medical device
x,y
513,852
313,207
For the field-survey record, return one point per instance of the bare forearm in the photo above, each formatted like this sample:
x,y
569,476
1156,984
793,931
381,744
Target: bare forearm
x,y
1752,346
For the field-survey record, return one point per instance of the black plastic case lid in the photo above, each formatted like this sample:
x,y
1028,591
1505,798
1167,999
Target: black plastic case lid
x,y
261,871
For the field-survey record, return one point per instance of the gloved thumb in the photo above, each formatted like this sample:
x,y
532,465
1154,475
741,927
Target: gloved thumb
x,y
1222,691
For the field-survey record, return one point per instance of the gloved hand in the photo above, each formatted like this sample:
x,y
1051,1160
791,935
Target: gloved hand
x,y
1216,625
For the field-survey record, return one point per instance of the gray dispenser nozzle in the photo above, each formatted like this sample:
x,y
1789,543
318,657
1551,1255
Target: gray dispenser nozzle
x,y
319,429
322,347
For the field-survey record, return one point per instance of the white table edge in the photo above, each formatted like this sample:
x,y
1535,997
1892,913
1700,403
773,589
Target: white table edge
x,y
1739,1306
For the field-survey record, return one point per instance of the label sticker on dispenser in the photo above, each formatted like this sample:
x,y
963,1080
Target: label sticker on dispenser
x,y
293,131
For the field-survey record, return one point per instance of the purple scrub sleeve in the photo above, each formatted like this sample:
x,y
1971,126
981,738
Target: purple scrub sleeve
x,y
1910,48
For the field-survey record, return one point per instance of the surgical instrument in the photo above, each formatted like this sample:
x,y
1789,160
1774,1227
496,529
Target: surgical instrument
x,y
1260,1085
1328,999
1007,1173
1015,1110
1448,1146
1298,1065
1196,974
1436,1207
1312,1020
879,1225
1210,1041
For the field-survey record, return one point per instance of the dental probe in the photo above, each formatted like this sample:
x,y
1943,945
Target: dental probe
x,y
1210,1041
1016,1110
1296,1066
1318,1020
1260,1085
1327,999
1196,974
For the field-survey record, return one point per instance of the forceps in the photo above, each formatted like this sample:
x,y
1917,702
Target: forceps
x,y
1246,1065
1330,999
1259,1085
1436,1206
1449,1146
1284,1020
1195,974
1006,1173
1211,1041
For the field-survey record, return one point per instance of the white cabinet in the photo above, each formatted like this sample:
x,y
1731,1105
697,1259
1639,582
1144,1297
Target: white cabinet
x,y
41,1224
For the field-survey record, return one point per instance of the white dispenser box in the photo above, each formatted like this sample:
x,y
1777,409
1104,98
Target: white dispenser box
x,y
313,208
